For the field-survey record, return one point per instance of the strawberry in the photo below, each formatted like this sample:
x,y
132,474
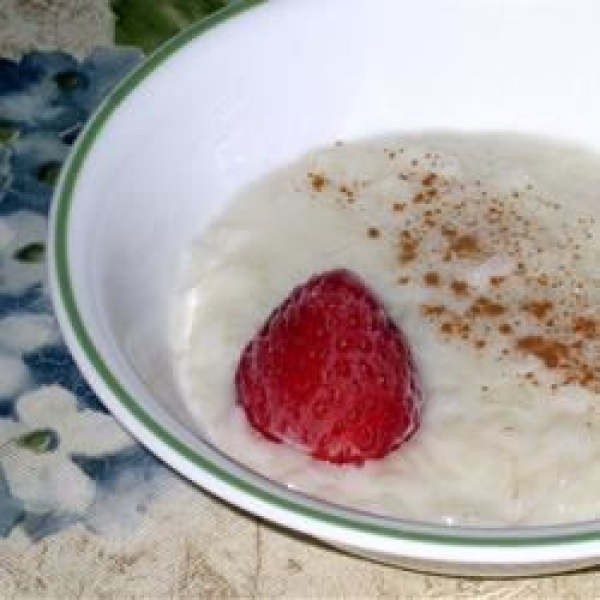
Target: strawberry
x,y
330,373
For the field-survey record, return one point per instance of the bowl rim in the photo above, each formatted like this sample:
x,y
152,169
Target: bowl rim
x,y
89,360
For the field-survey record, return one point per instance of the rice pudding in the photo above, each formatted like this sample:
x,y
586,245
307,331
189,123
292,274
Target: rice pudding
x,y
485,251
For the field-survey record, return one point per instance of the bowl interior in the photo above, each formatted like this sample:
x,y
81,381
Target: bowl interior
x,y
217,110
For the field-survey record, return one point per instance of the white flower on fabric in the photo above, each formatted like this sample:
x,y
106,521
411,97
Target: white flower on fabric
x,y
23,333
14,376
36,450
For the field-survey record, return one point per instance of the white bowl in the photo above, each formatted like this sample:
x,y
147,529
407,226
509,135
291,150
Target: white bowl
x,y
236,96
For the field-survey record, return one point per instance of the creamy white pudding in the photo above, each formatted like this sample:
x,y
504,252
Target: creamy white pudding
x,y
485,250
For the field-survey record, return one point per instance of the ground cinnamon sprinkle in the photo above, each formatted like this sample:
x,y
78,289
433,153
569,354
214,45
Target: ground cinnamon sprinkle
x,y
429,179
431,279
432,309
448,231
543,280
347,191
539,309
465,246
462,230
586,326
497,280
318,181
460,288
485,307
482,261
408,247
446,327
550,352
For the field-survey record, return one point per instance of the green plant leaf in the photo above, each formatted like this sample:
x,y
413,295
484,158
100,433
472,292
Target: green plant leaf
x,y
6,133
147,24
48,173
39,441
32,253
70,80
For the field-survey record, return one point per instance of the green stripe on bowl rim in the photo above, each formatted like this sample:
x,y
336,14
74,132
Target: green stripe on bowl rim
x,y
388,528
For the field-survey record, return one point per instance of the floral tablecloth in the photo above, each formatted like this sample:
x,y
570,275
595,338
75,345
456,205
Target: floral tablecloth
x,y
84,510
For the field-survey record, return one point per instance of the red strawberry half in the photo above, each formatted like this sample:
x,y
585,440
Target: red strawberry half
x,y
331,374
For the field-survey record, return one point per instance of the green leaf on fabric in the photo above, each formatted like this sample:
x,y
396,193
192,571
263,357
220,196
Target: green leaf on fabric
x,y
39,441
48,173
147,24
6,133
32,253
69,80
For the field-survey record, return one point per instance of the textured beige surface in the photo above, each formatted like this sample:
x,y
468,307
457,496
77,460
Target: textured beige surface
x,y
190,545
75,26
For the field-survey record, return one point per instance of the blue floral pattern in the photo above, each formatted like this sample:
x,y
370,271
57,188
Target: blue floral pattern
x,y
53,471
